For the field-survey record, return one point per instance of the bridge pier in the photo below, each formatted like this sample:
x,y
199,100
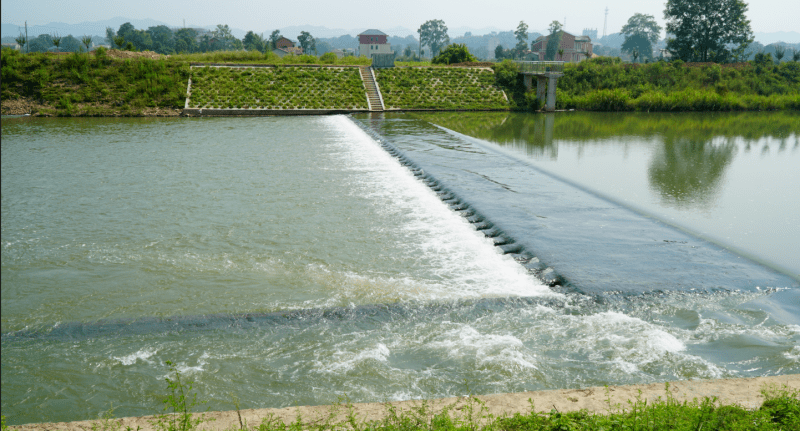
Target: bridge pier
x,y
541,86
545,85
547,74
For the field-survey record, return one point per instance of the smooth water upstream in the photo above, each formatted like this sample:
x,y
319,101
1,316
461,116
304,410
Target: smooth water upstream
x,y
292,261
731,178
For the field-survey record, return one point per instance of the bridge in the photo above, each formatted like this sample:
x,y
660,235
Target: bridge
x,y
547,74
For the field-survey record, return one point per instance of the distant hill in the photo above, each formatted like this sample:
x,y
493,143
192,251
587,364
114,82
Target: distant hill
x,y
778,36
93,28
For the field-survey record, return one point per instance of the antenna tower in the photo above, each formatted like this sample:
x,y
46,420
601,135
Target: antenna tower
x,y
605,23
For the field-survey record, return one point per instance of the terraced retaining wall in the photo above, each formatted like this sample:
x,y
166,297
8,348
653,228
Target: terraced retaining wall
x,y
440,88
244,89
274,90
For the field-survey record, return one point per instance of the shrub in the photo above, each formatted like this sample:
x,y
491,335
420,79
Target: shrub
x,y
328,58
455,53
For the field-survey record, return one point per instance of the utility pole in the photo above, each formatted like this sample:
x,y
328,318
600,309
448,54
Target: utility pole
x,y
605,23
27,42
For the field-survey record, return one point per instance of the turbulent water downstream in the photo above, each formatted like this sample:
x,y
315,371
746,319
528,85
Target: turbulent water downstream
x,y
293,261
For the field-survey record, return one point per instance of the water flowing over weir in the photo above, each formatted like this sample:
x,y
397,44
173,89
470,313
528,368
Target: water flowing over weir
x,y
293,261
597,246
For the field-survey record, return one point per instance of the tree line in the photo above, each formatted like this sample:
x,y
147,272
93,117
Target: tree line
x,y
697,31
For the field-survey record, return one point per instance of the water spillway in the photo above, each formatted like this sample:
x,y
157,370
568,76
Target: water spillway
x,y
598,246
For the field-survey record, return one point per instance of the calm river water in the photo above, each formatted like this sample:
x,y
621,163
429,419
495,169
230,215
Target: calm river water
x,y
292,261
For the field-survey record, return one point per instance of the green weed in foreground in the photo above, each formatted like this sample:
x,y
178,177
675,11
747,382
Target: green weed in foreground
x,y
179,404
780,412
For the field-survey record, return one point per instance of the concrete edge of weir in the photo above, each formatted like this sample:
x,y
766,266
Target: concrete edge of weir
x,y
505,243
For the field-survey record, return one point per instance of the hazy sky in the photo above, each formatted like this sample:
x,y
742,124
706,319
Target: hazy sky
x,y
765,15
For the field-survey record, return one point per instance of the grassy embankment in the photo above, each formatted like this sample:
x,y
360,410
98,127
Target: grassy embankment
x,y
440,88
92,84
101,84
604,85
277,88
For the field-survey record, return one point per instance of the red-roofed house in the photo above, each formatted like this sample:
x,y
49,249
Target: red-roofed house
x,y
373,42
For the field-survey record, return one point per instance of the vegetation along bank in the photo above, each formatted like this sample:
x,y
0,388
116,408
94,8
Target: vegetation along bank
x,y
121,83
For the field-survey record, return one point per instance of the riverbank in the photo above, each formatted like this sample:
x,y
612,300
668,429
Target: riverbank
x,y
121,83
747,393
605,84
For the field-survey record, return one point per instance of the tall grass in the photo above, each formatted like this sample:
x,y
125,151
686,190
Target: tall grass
x,y
93,84
608,86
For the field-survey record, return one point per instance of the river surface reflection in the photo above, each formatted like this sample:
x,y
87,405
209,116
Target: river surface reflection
x,y
731,178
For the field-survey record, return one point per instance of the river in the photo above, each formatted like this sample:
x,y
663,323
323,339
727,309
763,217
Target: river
x,y
293,261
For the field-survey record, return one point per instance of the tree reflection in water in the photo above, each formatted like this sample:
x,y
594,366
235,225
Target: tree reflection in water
x,y
688,172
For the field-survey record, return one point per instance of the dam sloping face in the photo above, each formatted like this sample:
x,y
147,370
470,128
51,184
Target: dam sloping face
x,y
596,246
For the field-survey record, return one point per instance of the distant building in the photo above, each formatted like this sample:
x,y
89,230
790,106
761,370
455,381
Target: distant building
x,y
291,50
284,42
11,45
576,48
373,42
591,32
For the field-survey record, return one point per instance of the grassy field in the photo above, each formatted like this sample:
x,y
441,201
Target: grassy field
x,y
277,88
440,88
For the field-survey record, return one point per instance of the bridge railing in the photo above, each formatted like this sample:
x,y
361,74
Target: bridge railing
x,y
540,66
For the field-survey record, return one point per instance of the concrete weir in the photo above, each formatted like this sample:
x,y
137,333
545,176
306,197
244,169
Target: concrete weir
x,y
566,234
506,243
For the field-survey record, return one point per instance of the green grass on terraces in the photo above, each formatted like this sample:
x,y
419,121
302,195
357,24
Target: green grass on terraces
x,y
443,88
328,88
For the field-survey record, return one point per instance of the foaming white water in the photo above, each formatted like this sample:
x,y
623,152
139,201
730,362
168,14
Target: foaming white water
x,y
143,355
461,262
465,341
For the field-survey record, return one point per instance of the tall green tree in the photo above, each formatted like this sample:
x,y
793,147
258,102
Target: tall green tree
x,y
42,43
70,43
273,39
186,40
225,40
307,42
21,39
110,36
163,39
140,39
553,41
780,51
86,40
641,34
498,52
707,30
433,34
522,39
253,42
56,40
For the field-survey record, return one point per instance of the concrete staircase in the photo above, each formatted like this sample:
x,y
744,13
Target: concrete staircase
x,y
373,93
